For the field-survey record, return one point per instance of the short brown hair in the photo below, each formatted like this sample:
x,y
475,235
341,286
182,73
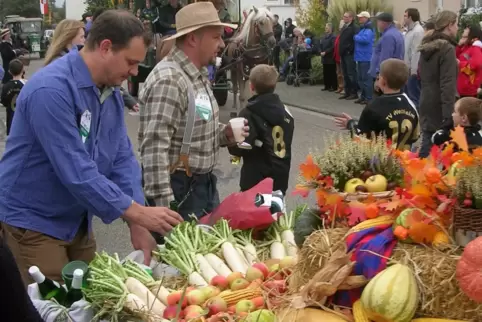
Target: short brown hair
x,y
263,78
395,73
472,107
15,67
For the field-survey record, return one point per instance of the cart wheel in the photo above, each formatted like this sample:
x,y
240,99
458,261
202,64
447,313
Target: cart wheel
x,y
221,96
133,87
289,80
297,83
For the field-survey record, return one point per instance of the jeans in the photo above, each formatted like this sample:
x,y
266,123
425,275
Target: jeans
x,y
426,144
348,68
286,66
364,80
413,89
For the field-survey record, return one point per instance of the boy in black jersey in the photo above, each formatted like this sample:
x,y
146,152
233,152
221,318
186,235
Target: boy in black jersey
x,y
393,114
467,113
271,128
11,90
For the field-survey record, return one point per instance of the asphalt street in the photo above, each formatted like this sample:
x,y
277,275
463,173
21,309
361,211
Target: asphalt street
x,y
310,128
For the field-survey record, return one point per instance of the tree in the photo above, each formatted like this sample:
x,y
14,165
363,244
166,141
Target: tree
x,y
24,8
312,16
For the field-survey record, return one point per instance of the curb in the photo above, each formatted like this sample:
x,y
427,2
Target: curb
x,y
314,109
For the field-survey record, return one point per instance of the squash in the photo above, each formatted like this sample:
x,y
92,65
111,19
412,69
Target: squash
x,y
402,221
392,295
308,315
469,272
440,239
306,223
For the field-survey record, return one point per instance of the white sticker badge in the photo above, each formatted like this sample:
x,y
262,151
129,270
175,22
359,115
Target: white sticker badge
x,y
85,121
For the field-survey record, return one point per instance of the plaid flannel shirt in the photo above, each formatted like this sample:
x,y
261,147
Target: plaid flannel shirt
x,y
163,114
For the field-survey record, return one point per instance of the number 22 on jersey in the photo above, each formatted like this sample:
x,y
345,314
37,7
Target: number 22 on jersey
x,y
403,132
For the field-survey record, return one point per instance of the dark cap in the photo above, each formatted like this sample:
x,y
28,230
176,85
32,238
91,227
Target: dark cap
x,y
385,17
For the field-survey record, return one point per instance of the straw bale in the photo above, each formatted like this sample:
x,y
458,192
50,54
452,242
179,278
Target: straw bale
x,y
434,270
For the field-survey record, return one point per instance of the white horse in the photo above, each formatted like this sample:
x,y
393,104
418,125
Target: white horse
x,y
251,45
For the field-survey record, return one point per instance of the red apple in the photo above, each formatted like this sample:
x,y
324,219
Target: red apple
x,y
170,313
234,276
216,305
239,284
245,306
174,299
210,291
275,275
259,302
220,282
263,268
254,273
193,311
196,297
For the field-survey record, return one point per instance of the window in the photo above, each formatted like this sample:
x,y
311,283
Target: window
x,y
472,3
289,2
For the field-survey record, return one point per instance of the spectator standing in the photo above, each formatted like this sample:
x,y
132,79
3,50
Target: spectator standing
x,y
12,88
167,17
438,76
328,60
413,38
278,32
346,48
470,62
336,55
7,53
364,41
390,45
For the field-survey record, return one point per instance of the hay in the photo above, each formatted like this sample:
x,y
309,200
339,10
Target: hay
x,y
434,269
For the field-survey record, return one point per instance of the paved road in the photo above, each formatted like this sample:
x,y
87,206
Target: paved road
x,y
310,127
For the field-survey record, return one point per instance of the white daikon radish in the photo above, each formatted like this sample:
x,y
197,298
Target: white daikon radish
x,y
206,270
231,255
161,293
289,243
135,304
195,279
139,289
277,250
218,264
243,258
250,253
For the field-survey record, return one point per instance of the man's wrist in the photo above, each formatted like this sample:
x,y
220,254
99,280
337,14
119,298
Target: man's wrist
x,y
133,213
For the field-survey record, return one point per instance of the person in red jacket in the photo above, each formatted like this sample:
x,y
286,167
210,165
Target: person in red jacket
x,y
336,55
469,55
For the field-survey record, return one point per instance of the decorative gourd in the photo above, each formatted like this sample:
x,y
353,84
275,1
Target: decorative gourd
x,y
307,222
392,295
469,270
440,239
307,315
401,221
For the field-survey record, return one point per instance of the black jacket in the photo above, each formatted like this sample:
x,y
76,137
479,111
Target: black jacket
x,y
167,18
346,44
472,133
328,46
8,54
289,31
271,129
278,31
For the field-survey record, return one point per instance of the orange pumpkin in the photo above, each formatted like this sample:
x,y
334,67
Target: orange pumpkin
x,y
468,272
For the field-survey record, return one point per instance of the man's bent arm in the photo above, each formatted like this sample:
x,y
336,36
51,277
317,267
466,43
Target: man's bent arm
x,y
53,120
161,114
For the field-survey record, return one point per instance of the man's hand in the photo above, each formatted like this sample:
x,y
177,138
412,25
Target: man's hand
x,y
228,131
157,219
135,108
142,239
342,121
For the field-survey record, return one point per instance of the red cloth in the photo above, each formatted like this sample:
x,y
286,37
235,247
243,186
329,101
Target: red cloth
x,y
336,53
470,70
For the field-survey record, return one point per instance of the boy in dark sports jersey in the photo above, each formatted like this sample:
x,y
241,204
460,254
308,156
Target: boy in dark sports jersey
x,y
11,89
393,114
467,113
271,128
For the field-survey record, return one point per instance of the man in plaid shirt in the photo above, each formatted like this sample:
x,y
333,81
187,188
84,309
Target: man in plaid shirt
x,y
169,173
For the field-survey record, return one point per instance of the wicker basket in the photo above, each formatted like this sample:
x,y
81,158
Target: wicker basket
x,y
360,196
467,224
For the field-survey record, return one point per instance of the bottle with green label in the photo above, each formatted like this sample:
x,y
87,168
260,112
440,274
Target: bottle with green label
x,y
174,205
48,288
75,292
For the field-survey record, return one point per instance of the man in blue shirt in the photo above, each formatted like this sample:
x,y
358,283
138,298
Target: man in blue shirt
x,y
364,40
68,157
390,45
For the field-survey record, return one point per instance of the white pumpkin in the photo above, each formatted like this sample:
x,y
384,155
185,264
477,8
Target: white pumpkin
x,y
392,295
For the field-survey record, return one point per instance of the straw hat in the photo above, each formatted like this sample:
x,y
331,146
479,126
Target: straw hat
x,y
195,16
4,32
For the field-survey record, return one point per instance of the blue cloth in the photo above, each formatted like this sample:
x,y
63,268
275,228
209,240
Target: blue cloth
x,y
51,179
364,41
365,81
413,89
286,66
2,72
88,25
390,45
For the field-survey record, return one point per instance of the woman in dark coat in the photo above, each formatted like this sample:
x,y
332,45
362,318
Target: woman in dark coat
x,y
7,52
328,59
438,68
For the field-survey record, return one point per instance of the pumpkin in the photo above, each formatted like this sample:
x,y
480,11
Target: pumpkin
x,y
308,315
469,272
306,223
392,295
440,239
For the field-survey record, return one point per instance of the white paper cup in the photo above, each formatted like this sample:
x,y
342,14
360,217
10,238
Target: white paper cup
x,y
219,60
237,125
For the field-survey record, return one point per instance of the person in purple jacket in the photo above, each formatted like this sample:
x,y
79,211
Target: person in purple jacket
x,y
390,45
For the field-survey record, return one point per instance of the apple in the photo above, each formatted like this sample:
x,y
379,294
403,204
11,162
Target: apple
x,y
263,268
174,298
234,276
196,297
274,268
275,275
259,302
239,284
193,311
256,283
253,274
216,305
220,282
376,183
170,313
210,291
245,306
351,185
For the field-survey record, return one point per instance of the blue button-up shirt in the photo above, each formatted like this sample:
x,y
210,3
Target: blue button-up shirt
x,y
50,177
390,45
